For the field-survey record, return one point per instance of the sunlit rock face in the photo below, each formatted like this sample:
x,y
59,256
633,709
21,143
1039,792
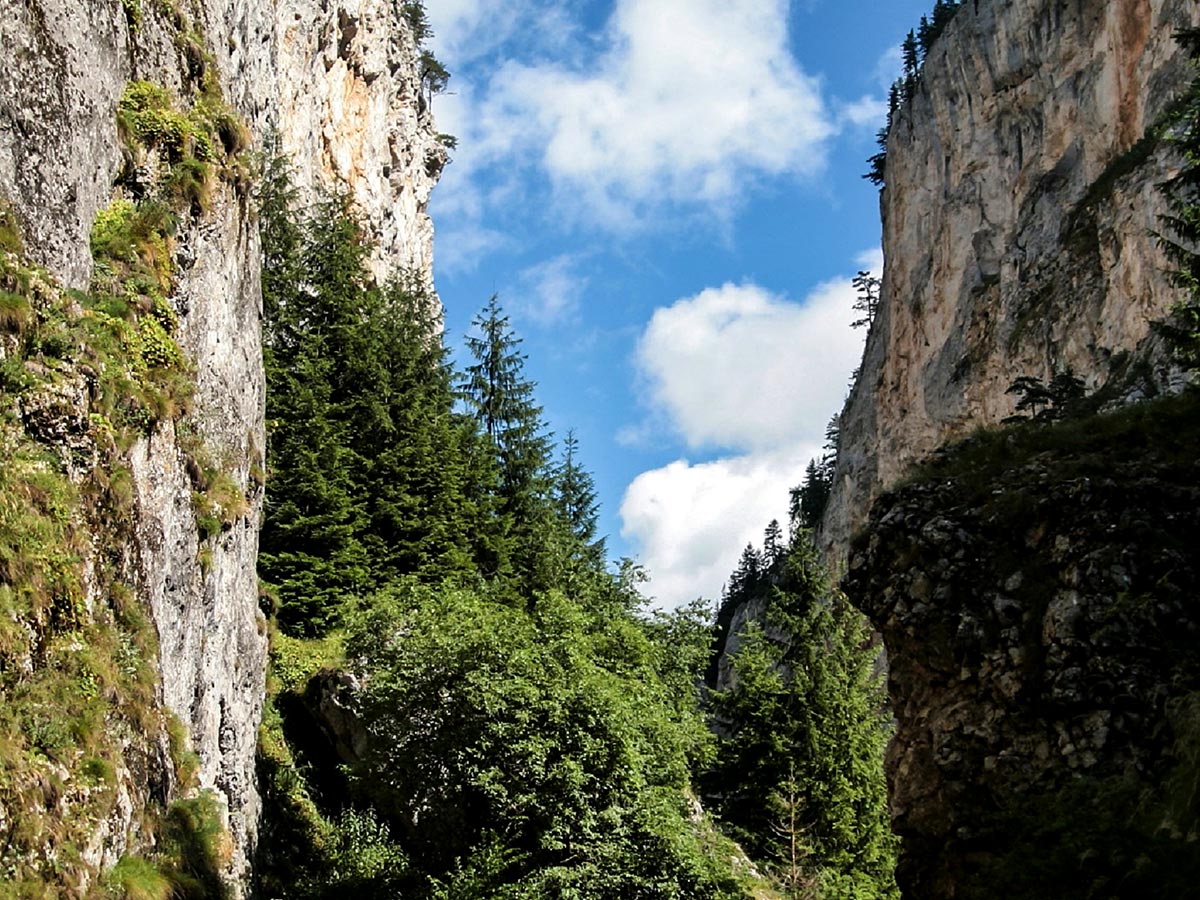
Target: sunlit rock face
x,y
351,109
338,88
1018,222
1036,604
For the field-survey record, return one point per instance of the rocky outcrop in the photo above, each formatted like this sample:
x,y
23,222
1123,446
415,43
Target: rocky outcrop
x,y
352,110
1018,220
339,86
1037,594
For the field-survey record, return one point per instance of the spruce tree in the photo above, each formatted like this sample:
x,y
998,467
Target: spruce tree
x,y
574,493
422,497
866,301
773,546
910,53
309,546
802,734
502,400
374,474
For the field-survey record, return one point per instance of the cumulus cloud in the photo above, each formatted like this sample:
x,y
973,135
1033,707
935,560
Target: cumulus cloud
x,y
865,111
738,368
691,521
889,67
692,97
676,102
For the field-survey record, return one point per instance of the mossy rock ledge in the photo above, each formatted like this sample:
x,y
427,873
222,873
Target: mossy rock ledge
x,y
1037,591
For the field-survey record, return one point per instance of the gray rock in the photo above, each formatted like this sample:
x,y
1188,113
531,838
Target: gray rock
x,y
339,84
1008,240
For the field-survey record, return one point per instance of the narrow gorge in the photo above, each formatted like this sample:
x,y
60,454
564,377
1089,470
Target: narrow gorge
x,y
218,309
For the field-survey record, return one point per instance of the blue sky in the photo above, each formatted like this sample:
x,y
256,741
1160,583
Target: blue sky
x,y
667,196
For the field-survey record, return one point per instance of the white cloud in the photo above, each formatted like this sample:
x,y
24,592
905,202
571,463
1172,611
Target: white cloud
x,y
677,102
462,246
871,261
690,522
865,111
739,368
889,67
464,30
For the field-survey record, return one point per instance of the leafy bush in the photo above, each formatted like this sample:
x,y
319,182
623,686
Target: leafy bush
x,y
529,753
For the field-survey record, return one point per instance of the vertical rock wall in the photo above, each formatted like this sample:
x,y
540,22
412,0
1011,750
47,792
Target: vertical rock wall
x,y
1017,222
339,86
350,111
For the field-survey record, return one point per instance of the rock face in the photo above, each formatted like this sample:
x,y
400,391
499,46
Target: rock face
x,y
351,110
1036,600
339,86
1017,222
1037,595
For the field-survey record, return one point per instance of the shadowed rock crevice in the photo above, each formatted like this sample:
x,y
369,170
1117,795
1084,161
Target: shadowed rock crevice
x,y
1036,589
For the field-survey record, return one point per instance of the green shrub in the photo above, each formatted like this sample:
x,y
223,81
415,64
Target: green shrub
x,y
15,312
530,752
10,233
296,660
133,878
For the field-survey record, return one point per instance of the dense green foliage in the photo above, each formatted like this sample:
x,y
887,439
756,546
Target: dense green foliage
x,y
373,472
798,775
536,754
1118,490
807,501
531,733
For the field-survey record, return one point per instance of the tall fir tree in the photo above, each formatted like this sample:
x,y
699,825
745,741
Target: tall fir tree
x,y
426,501
502,400
374,474
799,771
312,277
574,492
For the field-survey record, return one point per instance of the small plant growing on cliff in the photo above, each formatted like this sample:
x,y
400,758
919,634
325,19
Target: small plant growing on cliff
x,y
1061,398
10,235
133,13
195,144
414,13
866,303
434,76
1180,238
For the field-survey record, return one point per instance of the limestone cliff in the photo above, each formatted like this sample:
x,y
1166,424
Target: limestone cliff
x,y
1018,213
1033,586
339,86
